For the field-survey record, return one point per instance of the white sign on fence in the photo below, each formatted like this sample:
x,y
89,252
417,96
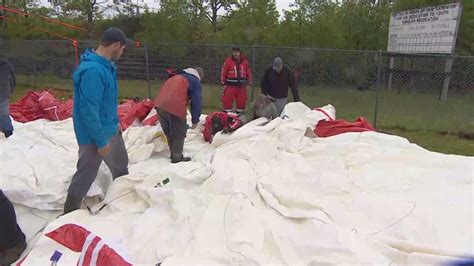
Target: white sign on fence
x,y
425,30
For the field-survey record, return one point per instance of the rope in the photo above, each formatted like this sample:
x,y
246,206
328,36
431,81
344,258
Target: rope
x,y
107,203
390,225
25,14
40,29
225,226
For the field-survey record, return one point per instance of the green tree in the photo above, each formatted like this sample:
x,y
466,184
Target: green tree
x,y
78,8
90,9
23,5
253,23
170,24
211,8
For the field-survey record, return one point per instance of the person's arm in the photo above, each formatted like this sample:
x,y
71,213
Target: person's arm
x,y
194,92
293,86
91,91
224,71
264,84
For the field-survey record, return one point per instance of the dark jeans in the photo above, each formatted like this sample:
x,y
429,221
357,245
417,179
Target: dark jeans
x,y
5,122
10,233
175,130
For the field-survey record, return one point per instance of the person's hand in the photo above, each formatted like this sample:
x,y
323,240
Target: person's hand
x,y
269,98
194,126
104,150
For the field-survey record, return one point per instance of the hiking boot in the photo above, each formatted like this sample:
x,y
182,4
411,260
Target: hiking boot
x,y
7,133
11,255
182,159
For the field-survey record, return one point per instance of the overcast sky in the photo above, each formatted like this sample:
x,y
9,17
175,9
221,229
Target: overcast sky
x,y
281,4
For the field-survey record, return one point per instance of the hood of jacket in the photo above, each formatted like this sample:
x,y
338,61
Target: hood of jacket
x,y
193,72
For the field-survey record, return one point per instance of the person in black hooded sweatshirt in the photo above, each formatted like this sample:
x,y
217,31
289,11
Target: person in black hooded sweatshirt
x,y
276,81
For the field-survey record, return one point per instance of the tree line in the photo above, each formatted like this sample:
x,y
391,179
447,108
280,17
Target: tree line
x,y
337,24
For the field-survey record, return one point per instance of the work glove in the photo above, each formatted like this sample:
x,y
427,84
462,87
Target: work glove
x,y
270,98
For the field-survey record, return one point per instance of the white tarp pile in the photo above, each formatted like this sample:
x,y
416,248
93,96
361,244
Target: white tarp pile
x,y
266,194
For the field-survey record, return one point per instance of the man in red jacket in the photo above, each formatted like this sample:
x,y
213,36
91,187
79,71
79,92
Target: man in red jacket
x,y
236,77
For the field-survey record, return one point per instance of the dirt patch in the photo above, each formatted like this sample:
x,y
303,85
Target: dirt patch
x,y
466,135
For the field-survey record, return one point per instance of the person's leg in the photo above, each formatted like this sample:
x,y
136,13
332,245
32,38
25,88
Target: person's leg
x,y
227,99
179,128
241,95
87,169
165,123
117,159
5,122
12,239
280,104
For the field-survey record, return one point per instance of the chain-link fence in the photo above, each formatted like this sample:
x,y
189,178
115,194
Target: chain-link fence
x,y
409,92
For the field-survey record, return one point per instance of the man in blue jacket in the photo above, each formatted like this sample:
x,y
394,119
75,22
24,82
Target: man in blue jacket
x,y
95,117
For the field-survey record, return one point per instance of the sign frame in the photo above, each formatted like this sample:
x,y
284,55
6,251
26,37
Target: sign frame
x,y
427,29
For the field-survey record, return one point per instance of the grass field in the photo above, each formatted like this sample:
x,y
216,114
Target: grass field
x,y
421,118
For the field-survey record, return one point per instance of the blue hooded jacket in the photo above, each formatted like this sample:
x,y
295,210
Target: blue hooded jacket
x,y
95,100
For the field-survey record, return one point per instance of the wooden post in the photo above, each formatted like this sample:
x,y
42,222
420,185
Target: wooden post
x,y
449,61
447,72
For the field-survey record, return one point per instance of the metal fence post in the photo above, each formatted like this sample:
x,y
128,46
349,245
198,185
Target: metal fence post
x,y
34,73
391,64
147,72
377,93
253,70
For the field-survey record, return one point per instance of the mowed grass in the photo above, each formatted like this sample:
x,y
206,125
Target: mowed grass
x,y
421,118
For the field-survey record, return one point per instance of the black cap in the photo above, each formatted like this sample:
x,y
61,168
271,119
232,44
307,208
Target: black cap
x,y
112,35
235,49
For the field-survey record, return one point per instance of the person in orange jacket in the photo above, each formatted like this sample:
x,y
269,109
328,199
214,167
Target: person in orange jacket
x,y
236,77
179,90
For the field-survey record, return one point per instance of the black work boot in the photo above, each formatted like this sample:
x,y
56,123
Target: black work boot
x,y
180,159
72,204
7,133
11,255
